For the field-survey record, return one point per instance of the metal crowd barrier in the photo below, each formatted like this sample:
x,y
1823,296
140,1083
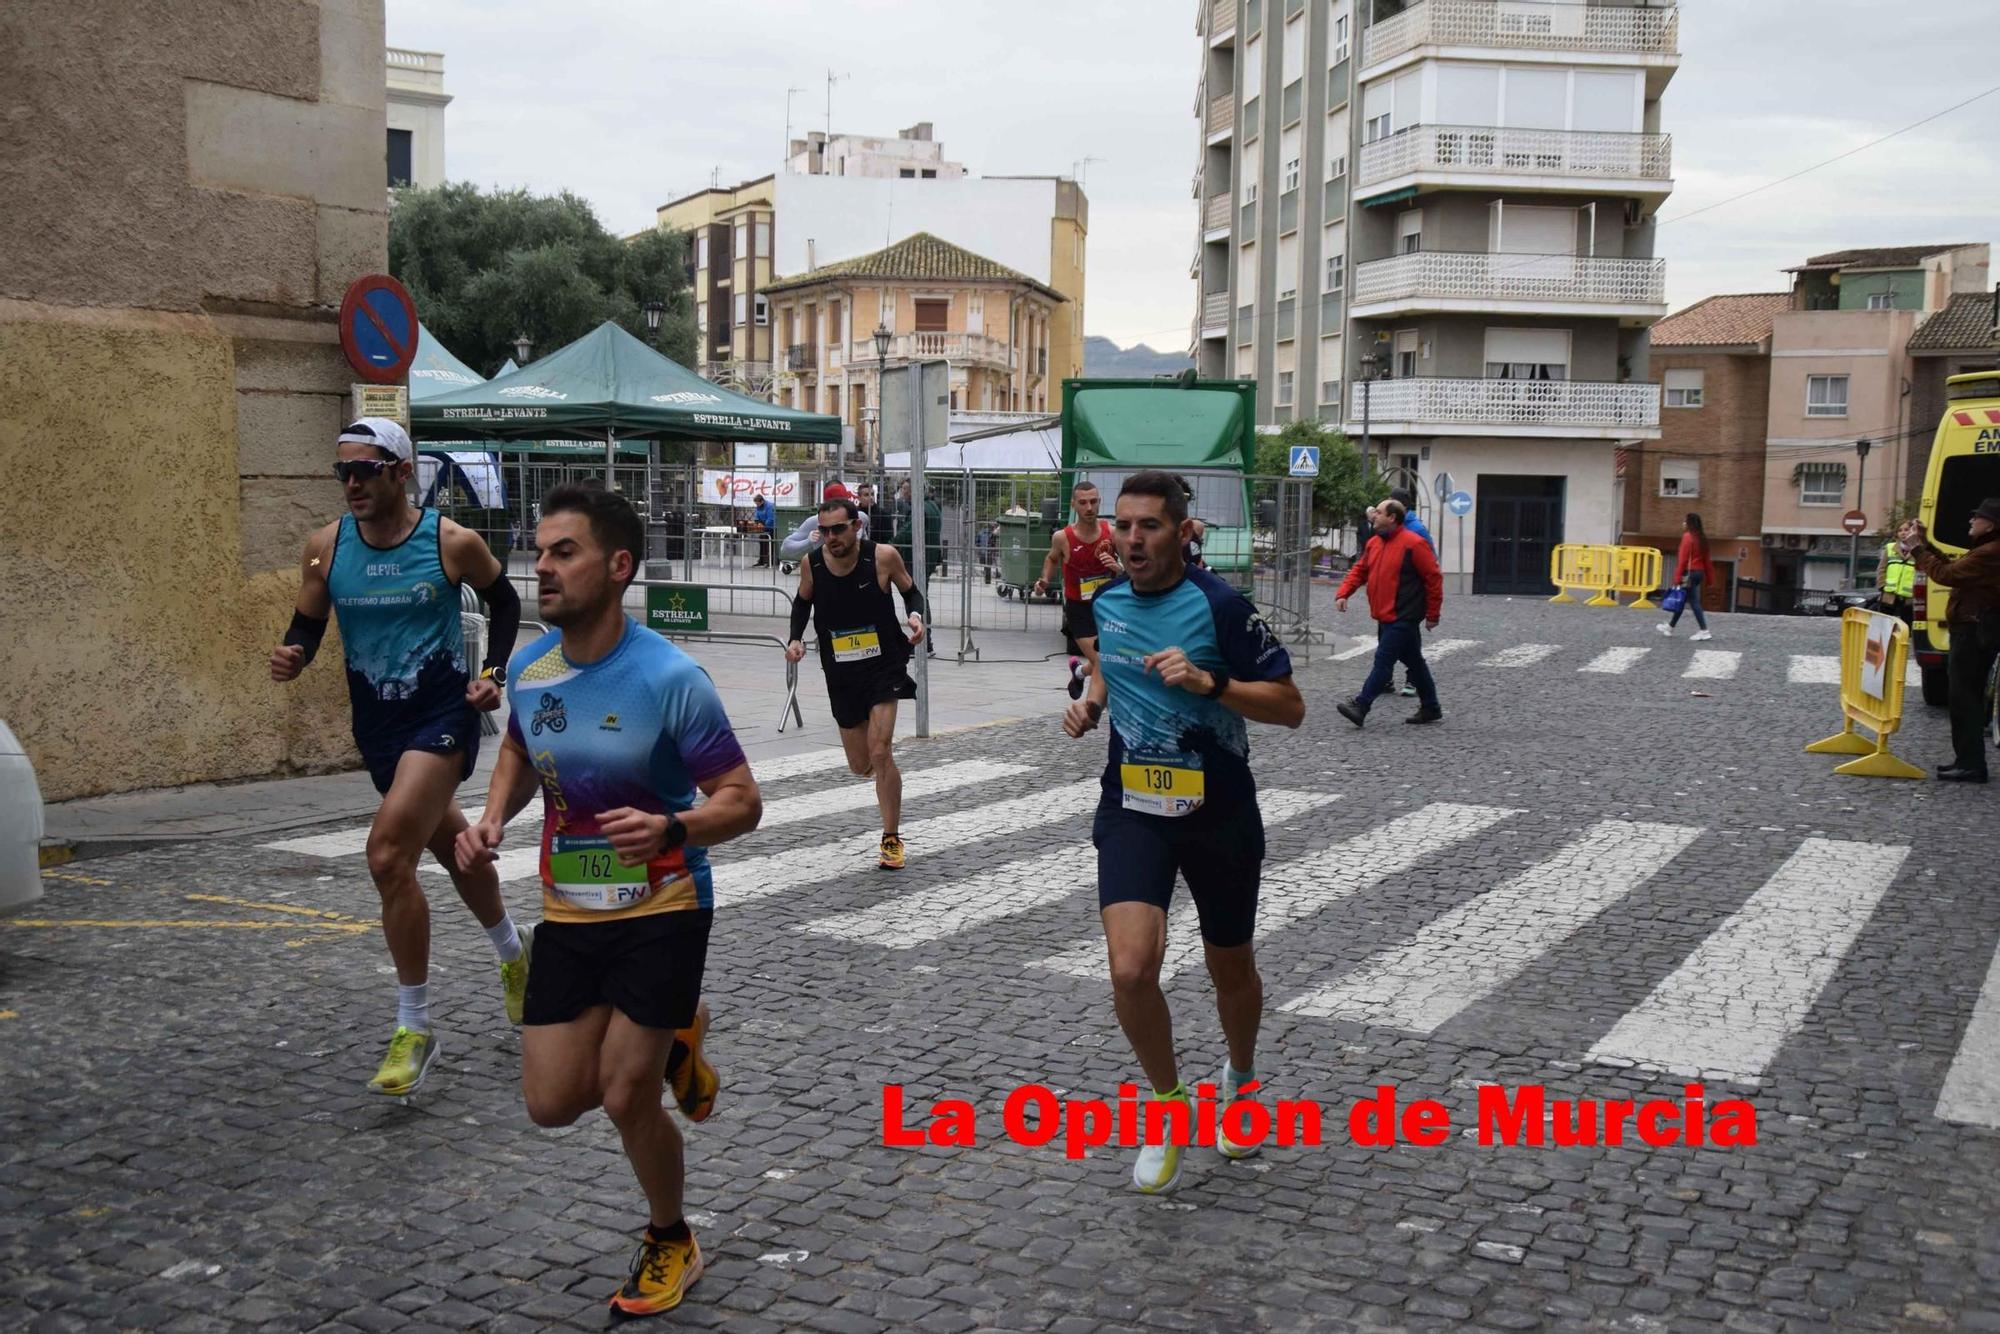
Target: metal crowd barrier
x,y
1870,643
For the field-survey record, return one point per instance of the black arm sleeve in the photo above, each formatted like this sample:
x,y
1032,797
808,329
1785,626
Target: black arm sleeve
x,y
503,616
801,613
913,598
306,631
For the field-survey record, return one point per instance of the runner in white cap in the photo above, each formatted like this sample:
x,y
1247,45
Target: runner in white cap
x,y
392,571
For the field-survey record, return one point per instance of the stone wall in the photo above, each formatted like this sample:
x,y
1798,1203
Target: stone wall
x,y
204,183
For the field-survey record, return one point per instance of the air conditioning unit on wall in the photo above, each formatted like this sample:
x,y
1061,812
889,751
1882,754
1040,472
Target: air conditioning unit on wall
x,y
1771,542
1797,542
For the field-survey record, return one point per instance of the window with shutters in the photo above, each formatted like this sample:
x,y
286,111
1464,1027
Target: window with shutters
x,y
1527,354
1683,390
933,315
1337,42
1821,483
1826,396
1680,478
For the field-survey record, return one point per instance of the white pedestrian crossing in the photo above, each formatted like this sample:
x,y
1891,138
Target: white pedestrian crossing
x,y
1293,891
1753,980
1813,670
1972,1085
797,766
1522,655
1357,651
741,881
1444,648
1713,664
1615,661
1475,949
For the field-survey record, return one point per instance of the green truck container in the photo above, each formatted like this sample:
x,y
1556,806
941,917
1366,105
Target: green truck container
x,y
1205,430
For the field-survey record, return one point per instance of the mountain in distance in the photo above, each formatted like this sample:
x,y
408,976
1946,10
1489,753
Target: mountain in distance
x,y
1104,359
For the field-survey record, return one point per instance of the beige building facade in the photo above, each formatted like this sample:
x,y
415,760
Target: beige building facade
x,y
731,233
416,103
174,389
936,300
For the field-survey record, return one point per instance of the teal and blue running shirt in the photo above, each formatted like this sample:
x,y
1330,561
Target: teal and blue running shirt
x,y
1173,752
399,629
639,727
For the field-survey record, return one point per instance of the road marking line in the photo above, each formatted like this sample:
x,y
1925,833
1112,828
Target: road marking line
x,y
1445,647
1728,1008
1972,1085
267,907
1713,664
1295,890
1475,949
1813,670
74,878
853,794
1522,655
1006,891
1357,651
1615,661
783,872
795,766
47,923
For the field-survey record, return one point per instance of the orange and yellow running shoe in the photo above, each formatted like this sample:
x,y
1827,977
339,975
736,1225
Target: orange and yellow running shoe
x,y
662,1273
690,1076
892,853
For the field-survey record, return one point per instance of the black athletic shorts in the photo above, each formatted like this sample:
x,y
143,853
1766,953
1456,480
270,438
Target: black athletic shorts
x,y
855,695
1079,620
648,968
1221,856
452,729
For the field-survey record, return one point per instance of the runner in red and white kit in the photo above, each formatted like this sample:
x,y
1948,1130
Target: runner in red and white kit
x,y
1088,561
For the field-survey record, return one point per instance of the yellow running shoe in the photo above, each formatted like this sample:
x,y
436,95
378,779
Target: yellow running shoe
x,y
1157,1169
662,1273
411,1056
892,853
514,977
690,1076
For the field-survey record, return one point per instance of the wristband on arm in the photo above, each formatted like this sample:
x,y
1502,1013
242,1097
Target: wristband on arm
x,y
913,598
306,632
503,617
801,613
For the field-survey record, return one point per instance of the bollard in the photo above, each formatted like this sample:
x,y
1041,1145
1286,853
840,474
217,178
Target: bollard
x,y
20,827
1870,640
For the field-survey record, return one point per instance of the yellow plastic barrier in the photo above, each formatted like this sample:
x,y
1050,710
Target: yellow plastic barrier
x,y
1869,639
1573,565
1636,570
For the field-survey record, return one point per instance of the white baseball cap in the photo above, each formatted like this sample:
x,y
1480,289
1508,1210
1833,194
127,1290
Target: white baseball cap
x,y
380,432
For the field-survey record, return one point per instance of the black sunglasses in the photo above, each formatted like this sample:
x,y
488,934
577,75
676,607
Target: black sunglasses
x,y
360,470
834,529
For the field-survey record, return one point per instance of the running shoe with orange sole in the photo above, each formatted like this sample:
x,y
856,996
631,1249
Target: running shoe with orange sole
x,y
690,1076
662,1273
892,853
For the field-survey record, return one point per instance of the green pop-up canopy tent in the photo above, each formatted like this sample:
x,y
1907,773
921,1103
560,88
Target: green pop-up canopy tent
x,y
436,371
609,384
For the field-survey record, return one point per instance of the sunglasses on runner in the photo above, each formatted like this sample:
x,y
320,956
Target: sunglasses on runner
x,y
834,529
360,470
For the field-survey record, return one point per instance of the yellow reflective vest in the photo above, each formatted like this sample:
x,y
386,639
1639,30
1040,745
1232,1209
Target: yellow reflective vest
x,y
1899,573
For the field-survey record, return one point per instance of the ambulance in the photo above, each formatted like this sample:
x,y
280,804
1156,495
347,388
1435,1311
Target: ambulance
x,y
1964,470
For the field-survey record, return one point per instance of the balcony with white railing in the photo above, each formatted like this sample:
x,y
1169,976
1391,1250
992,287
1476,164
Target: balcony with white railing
x,y
1577,409
414,71
961,349
1215,213
1444,280
1516,26
1468,156
1221,115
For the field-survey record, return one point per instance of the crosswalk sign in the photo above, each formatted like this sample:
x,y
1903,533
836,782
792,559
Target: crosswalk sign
x,y
1305,460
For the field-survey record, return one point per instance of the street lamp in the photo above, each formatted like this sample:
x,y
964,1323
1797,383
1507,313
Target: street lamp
x,y
654,309
523,347
883,333
1861,448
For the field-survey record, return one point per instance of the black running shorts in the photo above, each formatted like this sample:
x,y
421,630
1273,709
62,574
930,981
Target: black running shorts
x,y
1221,856
854,695
1079,620
648,968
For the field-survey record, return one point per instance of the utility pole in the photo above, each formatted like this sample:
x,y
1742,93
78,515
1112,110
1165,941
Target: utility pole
x,y
789,94
1861,447
831,79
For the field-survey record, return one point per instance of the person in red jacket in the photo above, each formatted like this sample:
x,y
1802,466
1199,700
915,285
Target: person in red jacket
x,y
1405,588
1691,571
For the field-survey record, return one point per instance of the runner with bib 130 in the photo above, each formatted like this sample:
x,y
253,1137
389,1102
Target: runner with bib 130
x,y
1184,660
618,727
864,649
391,572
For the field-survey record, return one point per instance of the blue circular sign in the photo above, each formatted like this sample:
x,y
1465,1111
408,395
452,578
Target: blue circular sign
x,y
378,328
1460,503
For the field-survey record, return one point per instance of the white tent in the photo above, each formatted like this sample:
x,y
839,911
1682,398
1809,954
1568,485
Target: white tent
x,y
1028,450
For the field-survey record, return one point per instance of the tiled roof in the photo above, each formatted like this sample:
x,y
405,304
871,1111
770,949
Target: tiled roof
x,y
920,256
1880,257
1966,322
1722,321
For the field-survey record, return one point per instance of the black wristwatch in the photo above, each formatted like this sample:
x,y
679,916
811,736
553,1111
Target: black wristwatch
x,y
497,675
1221,683
677,833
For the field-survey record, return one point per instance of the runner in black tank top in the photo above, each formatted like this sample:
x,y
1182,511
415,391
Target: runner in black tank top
x,y
864,648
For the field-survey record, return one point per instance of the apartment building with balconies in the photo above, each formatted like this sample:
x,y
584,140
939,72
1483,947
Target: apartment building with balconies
x,y
993,324
1452,200
731,234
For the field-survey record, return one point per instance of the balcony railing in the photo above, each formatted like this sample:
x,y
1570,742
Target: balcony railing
x,y
1215,311
1221,113
801,357
1221,18
1215,213
1479,150
1451,276
1434,401
1524,25
958,348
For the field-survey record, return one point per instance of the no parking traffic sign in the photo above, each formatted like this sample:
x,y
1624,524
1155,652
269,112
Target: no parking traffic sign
x,y
378,328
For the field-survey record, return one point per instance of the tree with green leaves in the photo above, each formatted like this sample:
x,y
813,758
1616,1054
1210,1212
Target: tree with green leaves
x,y
483,268
1347,483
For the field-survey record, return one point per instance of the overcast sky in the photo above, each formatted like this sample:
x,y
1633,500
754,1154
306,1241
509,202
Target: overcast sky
x,y
630,103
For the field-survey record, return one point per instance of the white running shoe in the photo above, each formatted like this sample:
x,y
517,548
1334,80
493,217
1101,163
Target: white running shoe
x,y
1701,636
1227,1094
1665,629
1157,1169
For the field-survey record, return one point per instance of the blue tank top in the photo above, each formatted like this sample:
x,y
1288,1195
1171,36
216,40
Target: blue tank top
x,y
399,625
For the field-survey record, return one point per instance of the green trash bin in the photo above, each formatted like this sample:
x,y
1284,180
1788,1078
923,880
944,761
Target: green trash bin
x,y
1024,544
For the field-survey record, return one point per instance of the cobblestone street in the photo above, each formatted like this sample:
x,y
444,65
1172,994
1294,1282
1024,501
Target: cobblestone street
x,y
1611,872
